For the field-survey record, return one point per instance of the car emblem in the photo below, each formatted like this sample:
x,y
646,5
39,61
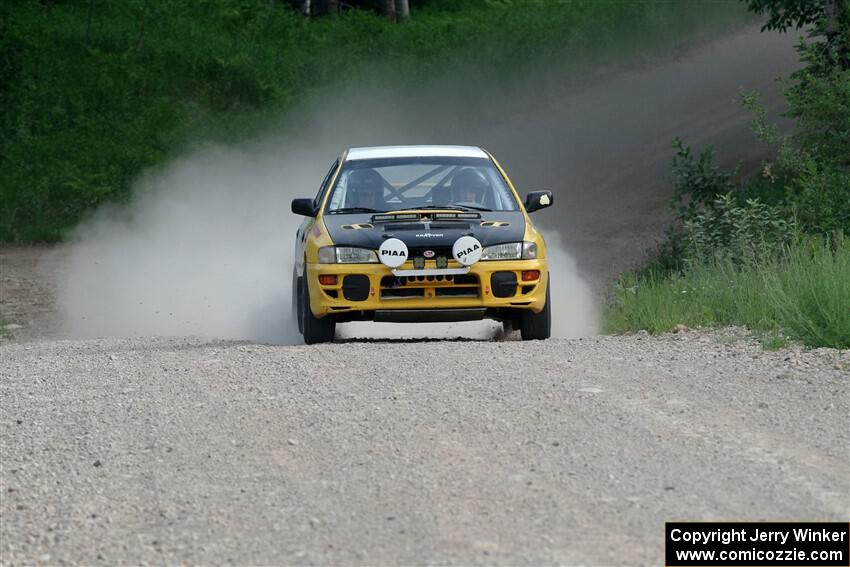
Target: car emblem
x,y
428,253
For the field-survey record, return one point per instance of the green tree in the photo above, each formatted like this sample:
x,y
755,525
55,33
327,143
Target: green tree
x,y
831,19
783,14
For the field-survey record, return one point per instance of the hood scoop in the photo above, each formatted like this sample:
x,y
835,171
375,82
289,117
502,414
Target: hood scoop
x,y
360,226
495,224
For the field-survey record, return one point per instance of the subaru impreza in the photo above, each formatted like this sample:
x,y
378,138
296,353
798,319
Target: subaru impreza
x,y
419,234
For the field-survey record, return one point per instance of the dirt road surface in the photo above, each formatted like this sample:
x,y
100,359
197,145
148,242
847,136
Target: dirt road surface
x,y
566,451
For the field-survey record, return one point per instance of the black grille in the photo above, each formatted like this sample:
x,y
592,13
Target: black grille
x,y
503,284
466,279
355,287
463,285
450,225
418,251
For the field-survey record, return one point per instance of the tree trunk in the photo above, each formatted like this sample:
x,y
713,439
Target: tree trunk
x,y
333,6
305,7
389,8
402,8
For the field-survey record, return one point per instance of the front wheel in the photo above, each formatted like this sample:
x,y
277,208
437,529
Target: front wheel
x,y
295,310
537,326
314,330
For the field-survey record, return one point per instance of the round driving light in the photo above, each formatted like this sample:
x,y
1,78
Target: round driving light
x,y
392,253
467,250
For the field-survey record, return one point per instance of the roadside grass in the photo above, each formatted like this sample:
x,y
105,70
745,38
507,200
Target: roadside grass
x,y
773,341
801,295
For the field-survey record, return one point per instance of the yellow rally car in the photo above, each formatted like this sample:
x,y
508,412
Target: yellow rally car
x,y
419,234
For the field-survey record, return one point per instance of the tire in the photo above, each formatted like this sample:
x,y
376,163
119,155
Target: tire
x,y
295,310
314,330
537,326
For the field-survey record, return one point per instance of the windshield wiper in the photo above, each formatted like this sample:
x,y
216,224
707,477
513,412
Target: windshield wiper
x,y
447,207
474,208
354,210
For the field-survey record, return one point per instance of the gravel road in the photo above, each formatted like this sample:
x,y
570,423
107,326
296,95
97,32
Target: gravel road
x,y
138,451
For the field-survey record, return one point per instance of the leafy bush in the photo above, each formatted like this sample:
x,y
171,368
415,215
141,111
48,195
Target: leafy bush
x,y
696,181
740,233
820,197
715,219
819,100
820,103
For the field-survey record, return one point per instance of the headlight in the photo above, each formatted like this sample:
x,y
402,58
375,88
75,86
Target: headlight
x,y
510,251
346,255
529,250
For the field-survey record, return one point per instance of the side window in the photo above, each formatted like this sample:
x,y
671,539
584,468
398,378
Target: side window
x,y
325,182
338,197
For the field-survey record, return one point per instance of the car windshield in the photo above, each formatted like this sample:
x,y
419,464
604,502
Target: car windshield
x,y
394,184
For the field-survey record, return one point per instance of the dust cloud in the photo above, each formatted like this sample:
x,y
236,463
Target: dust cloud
x,y
205,246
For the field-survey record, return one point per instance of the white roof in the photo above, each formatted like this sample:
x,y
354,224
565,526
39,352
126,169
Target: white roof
x,y
414,151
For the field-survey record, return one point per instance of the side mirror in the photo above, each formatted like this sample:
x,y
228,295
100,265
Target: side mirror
x,y
303,207
537,200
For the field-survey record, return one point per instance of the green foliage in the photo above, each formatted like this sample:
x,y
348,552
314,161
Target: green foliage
x,y
801,294
740,233
817,156
773,341
822,199
819,101
784,14
811,295
830,19
764,131
715,218
807,186
92,93
738,252
696,181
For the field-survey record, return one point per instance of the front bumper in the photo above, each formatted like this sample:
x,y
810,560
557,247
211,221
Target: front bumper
x,y
491,287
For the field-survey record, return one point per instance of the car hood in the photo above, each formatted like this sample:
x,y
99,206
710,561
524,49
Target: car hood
x,y
425,230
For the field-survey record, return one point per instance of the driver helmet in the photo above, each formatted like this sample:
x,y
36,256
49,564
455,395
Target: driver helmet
x,y
469,186
366,189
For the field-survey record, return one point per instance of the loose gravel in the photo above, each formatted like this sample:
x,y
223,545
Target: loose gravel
x,y
166,451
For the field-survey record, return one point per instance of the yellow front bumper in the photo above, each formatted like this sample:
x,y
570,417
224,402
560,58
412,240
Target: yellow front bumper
x,y
435,293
